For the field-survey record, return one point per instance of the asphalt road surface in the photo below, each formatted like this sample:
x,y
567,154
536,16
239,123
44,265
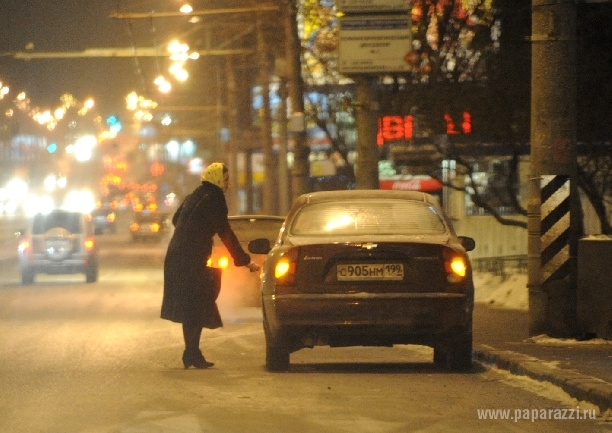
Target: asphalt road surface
x,y
85,358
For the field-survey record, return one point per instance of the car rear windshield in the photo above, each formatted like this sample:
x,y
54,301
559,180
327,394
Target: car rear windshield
x,y
67,220
253,228
372,217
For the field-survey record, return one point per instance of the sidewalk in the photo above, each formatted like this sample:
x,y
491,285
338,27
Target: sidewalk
x,y
583,369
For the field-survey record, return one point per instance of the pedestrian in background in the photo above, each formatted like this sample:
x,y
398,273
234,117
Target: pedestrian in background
x,y
191,288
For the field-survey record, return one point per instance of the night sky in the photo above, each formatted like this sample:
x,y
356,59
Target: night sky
x,y
75,25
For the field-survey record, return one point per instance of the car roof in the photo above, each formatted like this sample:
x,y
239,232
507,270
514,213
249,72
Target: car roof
x,y
149,215
259,217
366,195
59,212
320,196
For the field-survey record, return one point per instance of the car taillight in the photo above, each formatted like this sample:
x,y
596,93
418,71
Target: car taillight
x,y
89,244
223,262
134,227
455,266
154,227
24,245
284,270
110,217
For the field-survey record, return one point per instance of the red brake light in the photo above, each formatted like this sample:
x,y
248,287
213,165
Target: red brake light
x,y
24,245
134,227
284,270
223,262
89,243
455,265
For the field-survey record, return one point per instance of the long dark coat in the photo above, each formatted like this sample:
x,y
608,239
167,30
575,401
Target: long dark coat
x,y
189,296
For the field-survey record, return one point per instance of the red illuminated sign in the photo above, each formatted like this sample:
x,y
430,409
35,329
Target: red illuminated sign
x,y
466,124
410,184
402,127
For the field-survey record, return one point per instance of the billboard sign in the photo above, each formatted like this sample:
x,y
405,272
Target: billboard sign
x,y
374,44
364,6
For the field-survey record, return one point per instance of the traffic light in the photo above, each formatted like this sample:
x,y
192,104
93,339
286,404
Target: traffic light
x,y
114,124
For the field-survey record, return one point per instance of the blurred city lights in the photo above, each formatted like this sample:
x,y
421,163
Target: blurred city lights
x,y
4,90
38,204
50,183
17,188
162,84
140,106
79,201
179,73
179,54
48,118
82,149
166,120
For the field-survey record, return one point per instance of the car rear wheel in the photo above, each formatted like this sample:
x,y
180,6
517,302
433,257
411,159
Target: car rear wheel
x,y
440,357
455,354
277,351
27,277
91,274
460,353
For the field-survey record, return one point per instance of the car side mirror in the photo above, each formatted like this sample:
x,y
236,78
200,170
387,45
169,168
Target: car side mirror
x,y
259,246
468,243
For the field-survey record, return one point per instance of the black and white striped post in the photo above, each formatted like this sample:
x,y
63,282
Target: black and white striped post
x,y
554,227
554,207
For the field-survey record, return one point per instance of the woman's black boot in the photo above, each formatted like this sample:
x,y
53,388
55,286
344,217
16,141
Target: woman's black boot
x,y
195,359
192,356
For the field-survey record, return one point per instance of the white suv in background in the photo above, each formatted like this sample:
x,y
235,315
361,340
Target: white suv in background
x,y
60,242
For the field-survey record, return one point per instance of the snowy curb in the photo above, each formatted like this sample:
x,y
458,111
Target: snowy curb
x,y
579,386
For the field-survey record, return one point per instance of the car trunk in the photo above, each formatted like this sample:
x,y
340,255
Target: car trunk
x,y
56,244
370,268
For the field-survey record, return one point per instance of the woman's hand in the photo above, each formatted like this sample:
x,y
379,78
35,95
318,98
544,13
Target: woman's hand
x,y
253,267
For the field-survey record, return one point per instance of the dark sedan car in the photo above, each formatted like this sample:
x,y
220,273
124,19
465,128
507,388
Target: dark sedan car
x,y
104,220
367,268
149,226
239,287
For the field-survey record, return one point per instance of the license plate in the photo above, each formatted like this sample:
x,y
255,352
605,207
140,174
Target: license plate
x,y
370,271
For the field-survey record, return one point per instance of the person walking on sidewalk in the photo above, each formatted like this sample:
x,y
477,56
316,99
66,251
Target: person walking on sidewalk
x,y
191,288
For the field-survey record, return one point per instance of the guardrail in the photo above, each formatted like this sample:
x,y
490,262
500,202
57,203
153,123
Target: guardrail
x,y
501,265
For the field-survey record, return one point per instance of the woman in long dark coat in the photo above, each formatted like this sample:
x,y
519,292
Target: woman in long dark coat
x,y
189,289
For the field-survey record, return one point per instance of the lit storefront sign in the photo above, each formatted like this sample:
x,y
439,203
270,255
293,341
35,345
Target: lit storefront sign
x,y
392,128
